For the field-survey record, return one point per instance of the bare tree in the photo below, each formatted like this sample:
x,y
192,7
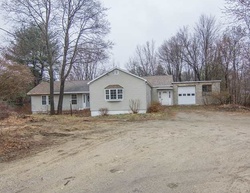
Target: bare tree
x,y
245,84
83,22
144,63
239,11
86,71
190,52
206,32
232,62
44,16
89,64
193,53
170,56
239,15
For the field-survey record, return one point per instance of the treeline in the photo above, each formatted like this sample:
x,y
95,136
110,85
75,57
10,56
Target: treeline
x,y
66,40
204,52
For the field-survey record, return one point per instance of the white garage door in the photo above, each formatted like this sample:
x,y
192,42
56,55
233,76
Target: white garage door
x,y
186,95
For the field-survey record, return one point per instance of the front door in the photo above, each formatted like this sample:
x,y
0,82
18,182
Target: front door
x,y
85,101
165,97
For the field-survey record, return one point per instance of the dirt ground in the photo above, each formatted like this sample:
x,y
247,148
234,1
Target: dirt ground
x,y
183,150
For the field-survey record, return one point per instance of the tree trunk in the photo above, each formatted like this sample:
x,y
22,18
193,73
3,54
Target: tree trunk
x,y
52,104
60,101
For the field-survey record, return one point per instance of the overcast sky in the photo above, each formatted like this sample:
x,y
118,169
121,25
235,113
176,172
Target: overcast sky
x,y
134,22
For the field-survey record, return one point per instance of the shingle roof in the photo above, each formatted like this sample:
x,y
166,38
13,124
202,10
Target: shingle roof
x,y
165,80
83,87
70,87
116,68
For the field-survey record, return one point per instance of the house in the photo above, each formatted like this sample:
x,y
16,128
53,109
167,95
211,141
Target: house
x,y
117,90
76,96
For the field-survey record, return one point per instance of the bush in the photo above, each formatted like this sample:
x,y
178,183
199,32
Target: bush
x,y
103,111
134,105
4,110
222,97
155,107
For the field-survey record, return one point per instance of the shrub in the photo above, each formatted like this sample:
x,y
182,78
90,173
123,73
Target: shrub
x,y
155,107
134,105
222,97
4,110
103,111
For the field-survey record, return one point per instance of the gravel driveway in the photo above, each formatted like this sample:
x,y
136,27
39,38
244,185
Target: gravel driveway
x,y
193,152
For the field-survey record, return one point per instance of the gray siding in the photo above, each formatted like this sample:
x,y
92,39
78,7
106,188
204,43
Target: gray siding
x,y
149,96
133,89
155,97
37,107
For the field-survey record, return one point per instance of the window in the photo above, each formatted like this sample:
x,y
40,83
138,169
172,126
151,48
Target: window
x,y
73,99
206,89
114,94
107,94
119,93
44,100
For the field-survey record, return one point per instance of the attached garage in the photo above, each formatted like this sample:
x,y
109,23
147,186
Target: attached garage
x,y
186,95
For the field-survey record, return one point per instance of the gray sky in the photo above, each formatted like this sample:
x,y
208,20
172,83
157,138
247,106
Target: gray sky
x,y
134,22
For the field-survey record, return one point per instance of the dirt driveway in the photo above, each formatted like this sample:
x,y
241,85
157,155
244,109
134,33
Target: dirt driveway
x,y
192,152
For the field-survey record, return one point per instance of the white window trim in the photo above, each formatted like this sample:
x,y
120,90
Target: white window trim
x,y
48,100
45,100
76,99
110,100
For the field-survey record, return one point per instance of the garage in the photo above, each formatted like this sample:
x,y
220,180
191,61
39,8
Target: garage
x,y
186,95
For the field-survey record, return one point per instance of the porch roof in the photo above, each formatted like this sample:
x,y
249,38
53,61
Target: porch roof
x,y
165,88
71,87
160,81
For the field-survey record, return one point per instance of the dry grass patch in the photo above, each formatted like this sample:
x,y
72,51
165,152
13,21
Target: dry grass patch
x,y
19,140
163,115
234,108
23,135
